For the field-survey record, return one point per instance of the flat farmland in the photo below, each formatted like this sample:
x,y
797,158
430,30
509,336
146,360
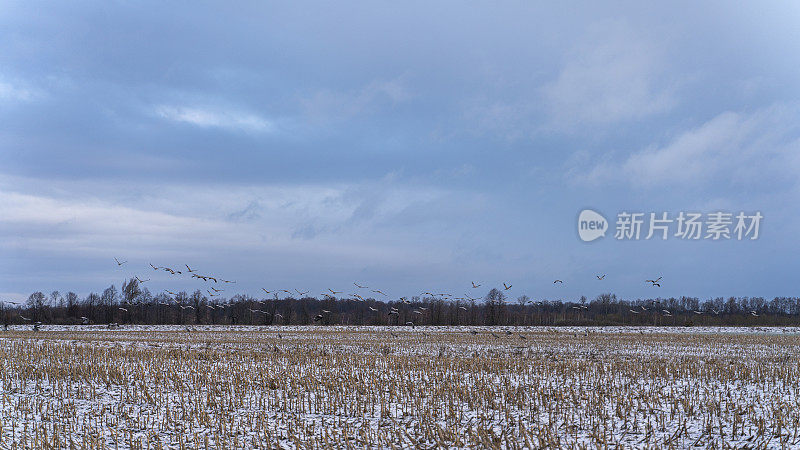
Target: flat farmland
x,y
399,387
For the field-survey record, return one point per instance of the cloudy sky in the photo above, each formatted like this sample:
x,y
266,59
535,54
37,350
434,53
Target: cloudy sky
x,y
408,146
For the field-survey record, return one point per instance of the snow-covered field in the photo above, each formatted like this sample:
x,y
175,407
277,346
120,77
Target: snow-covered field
x,y
423,387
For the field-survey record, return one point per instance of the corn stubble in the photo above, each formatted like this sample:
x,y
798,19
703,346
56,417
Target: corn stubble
x,y
317,388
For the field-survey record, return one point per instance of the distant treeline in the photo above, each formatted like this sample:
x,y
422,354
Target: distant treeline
x,y
136,305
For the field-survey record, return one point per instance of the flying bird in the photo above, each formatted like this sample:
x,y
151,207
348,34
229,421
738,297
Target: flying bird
x,y
224,281
461,307
360,287
372,309
506,286
475,285
654,281
141,280
378,291
410,323
119,263
600,277
154,267
301,293
188,268
558,281
318,317
334,292
123,309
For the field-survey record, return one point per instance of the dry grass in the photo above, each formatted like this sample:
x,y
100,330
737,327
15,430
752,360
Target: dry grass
x,y
366,388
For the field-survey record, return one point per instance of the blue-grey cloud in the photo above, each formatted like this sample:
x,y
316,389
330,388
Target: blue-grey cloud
x,y
411,145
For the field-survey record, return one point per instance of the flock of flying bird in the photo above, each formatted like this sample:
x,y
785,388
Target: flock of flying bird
x,y
214,292
332,293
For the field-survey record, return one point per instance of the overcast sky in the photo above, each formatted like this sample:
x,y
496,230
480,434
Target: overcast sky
x,y
408,146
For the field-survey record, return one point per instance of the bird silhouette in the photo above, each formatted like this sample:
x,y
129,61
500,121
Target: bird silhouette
x,y
506,286
475,285
359,286
600,277
558,281
119,263
188,268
